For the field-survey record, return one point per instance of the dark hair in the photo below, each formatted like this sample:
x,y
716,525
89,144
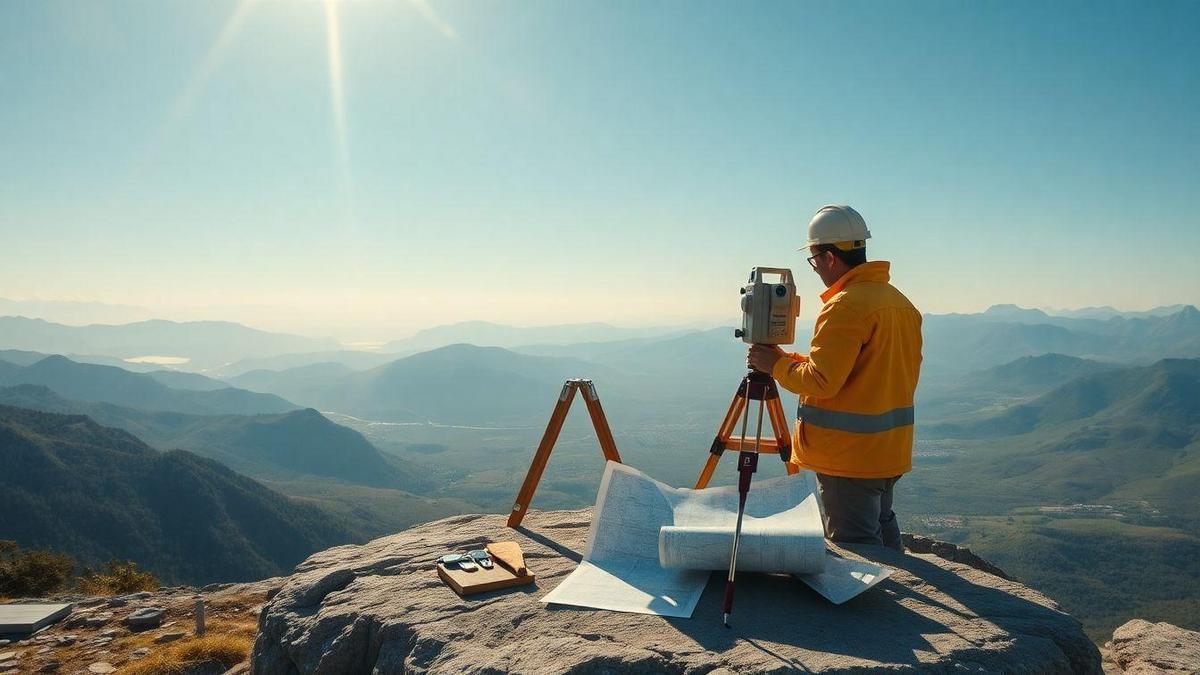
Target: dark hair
x,y
853,257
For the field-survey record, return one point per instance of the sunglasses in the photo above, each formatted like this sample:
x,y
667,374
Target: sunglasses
x,y
469,561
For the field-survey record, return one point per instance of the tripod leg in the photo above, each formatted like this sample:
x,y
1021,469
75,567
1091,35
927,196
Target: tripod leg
x,y
723,434
607,445
731,416
706,474
543,454
779,425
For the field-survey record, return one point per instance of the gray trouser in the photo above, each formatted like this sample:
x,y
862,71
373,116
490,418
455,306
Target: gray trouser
x,y
859,510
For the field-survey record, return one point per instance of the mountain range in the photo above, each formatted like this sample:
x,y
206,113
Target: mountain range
x,y
1087,491
1156,405
999,387
90,382
487,334
458,384
956,344
203,344
959,343
99,493
301,444
1038,433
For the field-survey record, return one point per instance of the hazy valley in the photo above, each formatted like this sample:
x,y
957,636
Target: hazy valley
x,y
1065,448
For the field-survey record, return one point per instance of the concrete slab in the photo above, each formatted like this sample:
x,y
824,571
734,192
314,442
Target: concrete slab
x,y
29,618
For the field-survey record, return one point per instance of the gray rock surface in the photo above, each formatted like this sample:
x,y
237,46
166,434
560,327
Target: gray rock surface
x,y
1142,647
145,618
170,637
381,607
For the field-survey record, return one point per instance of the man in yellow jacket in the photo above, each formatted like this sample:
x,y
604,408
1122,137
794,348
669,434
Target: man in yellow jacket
x,y
854,426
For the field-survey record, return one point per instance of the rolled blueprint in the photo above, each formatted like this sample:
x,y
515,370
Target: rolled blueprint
x,y
640,527
764,548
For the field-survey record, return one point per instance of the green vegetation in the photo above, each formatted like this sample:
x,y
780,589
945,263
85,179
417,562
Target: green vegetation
x,y
37,573
370,512
1087,493
1104,572
117,578
32,573
99,493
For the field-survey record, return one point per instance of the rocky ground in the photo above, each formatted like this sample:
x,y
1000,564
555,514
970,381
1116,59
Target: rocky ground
x,y
97,638
381,607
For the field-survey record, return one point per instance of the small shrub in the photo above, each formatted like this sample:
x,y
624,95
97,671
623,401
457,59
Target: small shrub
x,y
32,573
118,578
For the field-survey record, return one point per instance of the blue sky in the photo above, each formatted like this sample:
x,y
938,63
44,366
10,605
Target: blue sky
x,y
368,167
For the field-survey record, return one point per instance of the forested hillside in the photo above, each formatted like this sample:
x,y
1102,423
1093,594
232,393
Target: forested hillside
x,y
99,493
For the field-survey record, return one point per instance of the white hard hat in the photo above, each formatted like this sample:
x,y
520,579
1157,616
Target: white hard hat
x,y
838,224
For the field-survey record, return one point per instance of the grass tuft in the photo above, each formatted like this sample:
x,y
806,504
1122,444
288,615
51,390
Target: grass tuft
x,y
182,657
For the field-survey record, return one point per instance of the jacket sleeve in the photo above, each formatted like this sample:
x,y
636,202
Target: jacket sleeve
x,y
837,340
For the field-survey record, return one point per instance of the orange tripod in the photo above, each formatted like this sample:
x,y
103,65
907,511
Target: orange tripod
x,y
755,386
607,445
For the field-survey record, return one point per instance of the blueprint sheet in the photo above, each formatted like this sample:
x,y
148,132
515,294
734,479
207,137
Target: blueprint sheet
x,y
651,547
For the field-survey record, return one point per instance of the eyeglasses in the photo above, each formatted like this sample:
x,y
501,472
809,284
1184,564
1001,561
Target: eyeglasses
x,y
811,258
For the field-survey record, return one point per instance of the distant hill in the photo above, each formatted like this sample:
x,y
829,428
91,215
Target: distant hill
x,y
313,383
1000,387
73,312
956,344
459,384
192,381
486,334
353,360
663,379
20,357
25,358
296,445
1107,312
1030,374
1087,492
205,343
99,493
108,384
1164,396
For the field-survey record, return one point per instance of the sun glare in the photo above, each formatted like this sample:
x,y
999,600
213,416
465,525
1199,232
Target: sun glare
x,y
337,97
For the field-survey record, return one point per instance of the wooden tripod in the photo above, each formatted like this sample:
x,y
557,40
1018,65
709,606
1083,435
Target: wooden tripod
x,y
755,386
607,445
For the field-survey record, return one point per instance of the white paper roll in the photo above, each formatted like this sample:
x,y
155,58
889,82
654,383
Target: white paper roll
x,y
762,549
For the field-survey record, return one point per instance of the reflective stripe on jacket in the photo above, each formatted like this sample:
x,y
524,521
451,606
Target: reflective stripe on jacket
x,y
857,382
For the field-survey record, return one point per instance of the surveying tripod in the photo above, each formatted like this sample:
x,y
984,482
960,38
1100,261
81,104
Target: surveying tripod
x,y
759,387
607,445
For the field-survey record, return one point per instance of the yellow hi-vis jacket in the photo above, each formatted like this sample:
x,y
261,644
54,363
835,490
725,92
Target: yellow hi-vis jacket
x,y
857,382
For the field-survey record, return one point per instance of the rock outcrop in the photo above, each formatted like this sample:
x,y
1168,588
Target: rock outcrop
x,y
381,607
916,543
1144,648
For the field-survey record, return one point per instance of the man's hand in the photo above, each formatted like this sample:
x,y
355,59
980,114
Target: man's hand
x,y
763,357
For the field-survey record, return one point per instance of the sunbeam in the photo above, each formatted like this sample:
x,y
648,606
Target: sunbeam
x,y
187,97
432,17
337,97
